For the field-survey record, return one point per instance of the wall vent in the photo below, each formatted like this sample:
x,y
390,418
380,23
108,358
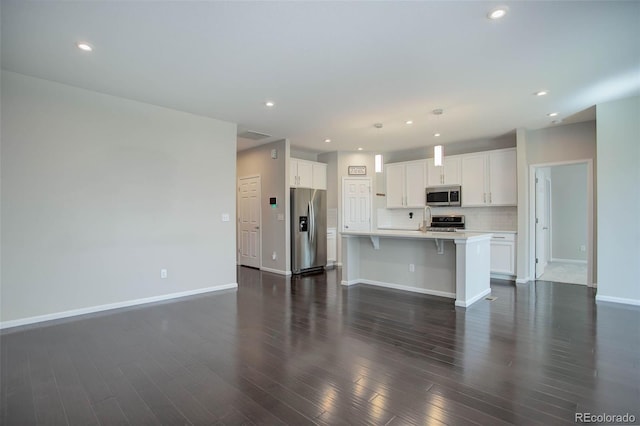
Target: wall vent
x,y
250,134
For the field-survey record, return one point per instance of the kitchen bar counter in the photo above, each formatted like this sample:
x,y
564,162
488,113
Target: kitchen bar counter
x,y
448,264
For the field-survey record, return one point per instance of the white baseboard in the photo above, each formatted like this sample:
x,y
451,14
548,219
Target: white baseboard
x,y
338,264
506,277
276,271
352,282
522,280
409,288
554,259
109,306
474,299
623,300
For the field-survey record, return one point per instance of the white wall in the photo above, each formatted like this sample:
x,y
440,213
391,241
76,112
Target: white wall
x,y
619,200
569,211
99,193
562,143
274,181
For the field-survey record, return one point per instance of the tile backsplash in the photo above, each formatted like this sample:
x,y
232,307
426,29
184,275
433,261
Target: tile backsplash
x,y
476,218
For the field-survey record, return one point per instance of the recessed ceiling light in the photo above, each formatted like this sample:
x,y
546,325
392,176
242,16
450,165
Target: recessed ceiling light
x,y
327,140
437,135
84,46
360,149
269,104
497,13
408,122
552,114
541,93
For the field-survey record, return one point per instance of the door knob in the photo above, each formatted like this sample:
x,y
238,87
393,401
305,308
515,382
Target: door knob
x,y
256,227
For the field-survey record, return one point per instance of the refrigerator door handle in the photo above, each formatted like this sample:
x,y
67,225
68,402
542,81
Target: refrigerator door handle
x,y
310,219
312,222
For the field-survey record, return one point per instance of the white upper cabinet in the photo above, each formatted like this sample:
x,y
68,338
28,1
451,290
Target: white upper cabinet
x,y
406,184
447,174
489,178
307,174
394,174
474,191
319,175
503,181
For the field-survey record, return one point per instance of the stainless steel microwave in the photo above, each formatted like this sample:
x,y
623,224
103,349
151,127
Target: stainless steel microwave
x,y
444,195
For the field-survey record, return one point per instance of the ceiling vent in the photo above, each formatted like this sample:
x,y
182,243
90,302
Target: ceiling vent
x,y
250,134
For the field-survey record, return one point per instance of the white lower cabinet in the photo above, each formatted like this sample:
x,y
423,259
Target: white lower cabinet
x,y
331,246
503,254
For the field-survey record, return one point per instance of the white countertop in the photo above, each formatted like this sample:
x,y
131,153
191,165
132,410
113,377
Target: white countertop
x,y
491,231
395,233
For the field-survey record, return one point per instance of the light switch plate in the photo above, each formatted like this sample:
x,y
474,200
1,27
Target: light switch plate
x,y
280,216
225,217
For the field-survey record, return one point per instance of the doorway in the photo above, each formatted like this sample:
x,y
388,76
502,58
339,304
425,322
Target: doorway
x,y
356,204
249,222
561,222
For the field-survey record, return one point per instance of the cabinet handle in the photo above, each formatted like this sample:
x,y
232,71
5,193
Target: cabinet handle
x,y
501,238
490,198
485,198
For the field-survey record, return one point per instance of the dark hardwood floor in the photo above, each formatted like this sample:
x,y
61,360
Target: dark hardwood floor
x,y
306,350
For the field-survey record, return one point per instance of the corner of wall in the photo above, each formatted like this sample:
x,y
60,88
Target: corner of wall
x,y
522,256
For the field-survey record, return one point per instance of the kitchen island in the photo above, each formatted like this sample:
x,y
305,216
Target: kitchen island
x,y
448,264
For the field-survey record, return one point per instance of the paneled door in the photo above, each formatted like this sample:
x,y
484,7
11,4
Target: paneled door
x,y
356,204
542,223
249,214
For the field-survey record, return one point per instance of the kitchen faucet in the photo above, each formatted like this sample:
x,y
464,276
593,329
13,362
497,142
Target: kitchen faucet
x,y
424,227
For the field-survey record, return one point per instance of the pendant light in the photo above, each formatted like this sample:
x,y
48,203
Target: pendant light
x,y
438,150
378,163
438,154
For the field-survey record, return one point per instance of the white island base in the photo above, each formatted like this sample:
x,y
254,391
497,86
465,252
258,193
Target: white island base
x,y
454,265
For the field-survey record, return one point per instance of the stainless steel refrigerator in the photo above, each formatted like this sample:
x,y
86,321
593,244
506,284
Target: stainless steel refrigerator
x,y
308,229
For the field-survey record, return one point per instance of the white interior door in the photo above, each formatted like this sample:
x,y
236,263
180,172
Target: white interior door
x,y
542,226
356,204
249,215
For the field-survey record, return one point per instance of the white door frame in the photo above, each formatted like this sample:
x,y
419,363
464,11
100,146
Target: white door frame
x,y
368,179
541,254
591,278
238,243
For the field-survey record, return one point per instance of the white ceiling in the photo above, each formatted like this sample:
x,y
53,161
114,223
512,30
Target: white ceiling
x,y
336,68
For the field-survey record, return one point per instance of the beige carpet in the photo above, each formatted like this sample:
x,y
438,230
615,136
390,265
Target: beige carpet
x,y
564,272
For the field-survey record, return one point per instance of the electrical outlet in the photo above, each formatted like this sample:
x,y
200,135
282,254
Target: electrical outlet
x,y
225,217
163,273
412,267
583,248
274,256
